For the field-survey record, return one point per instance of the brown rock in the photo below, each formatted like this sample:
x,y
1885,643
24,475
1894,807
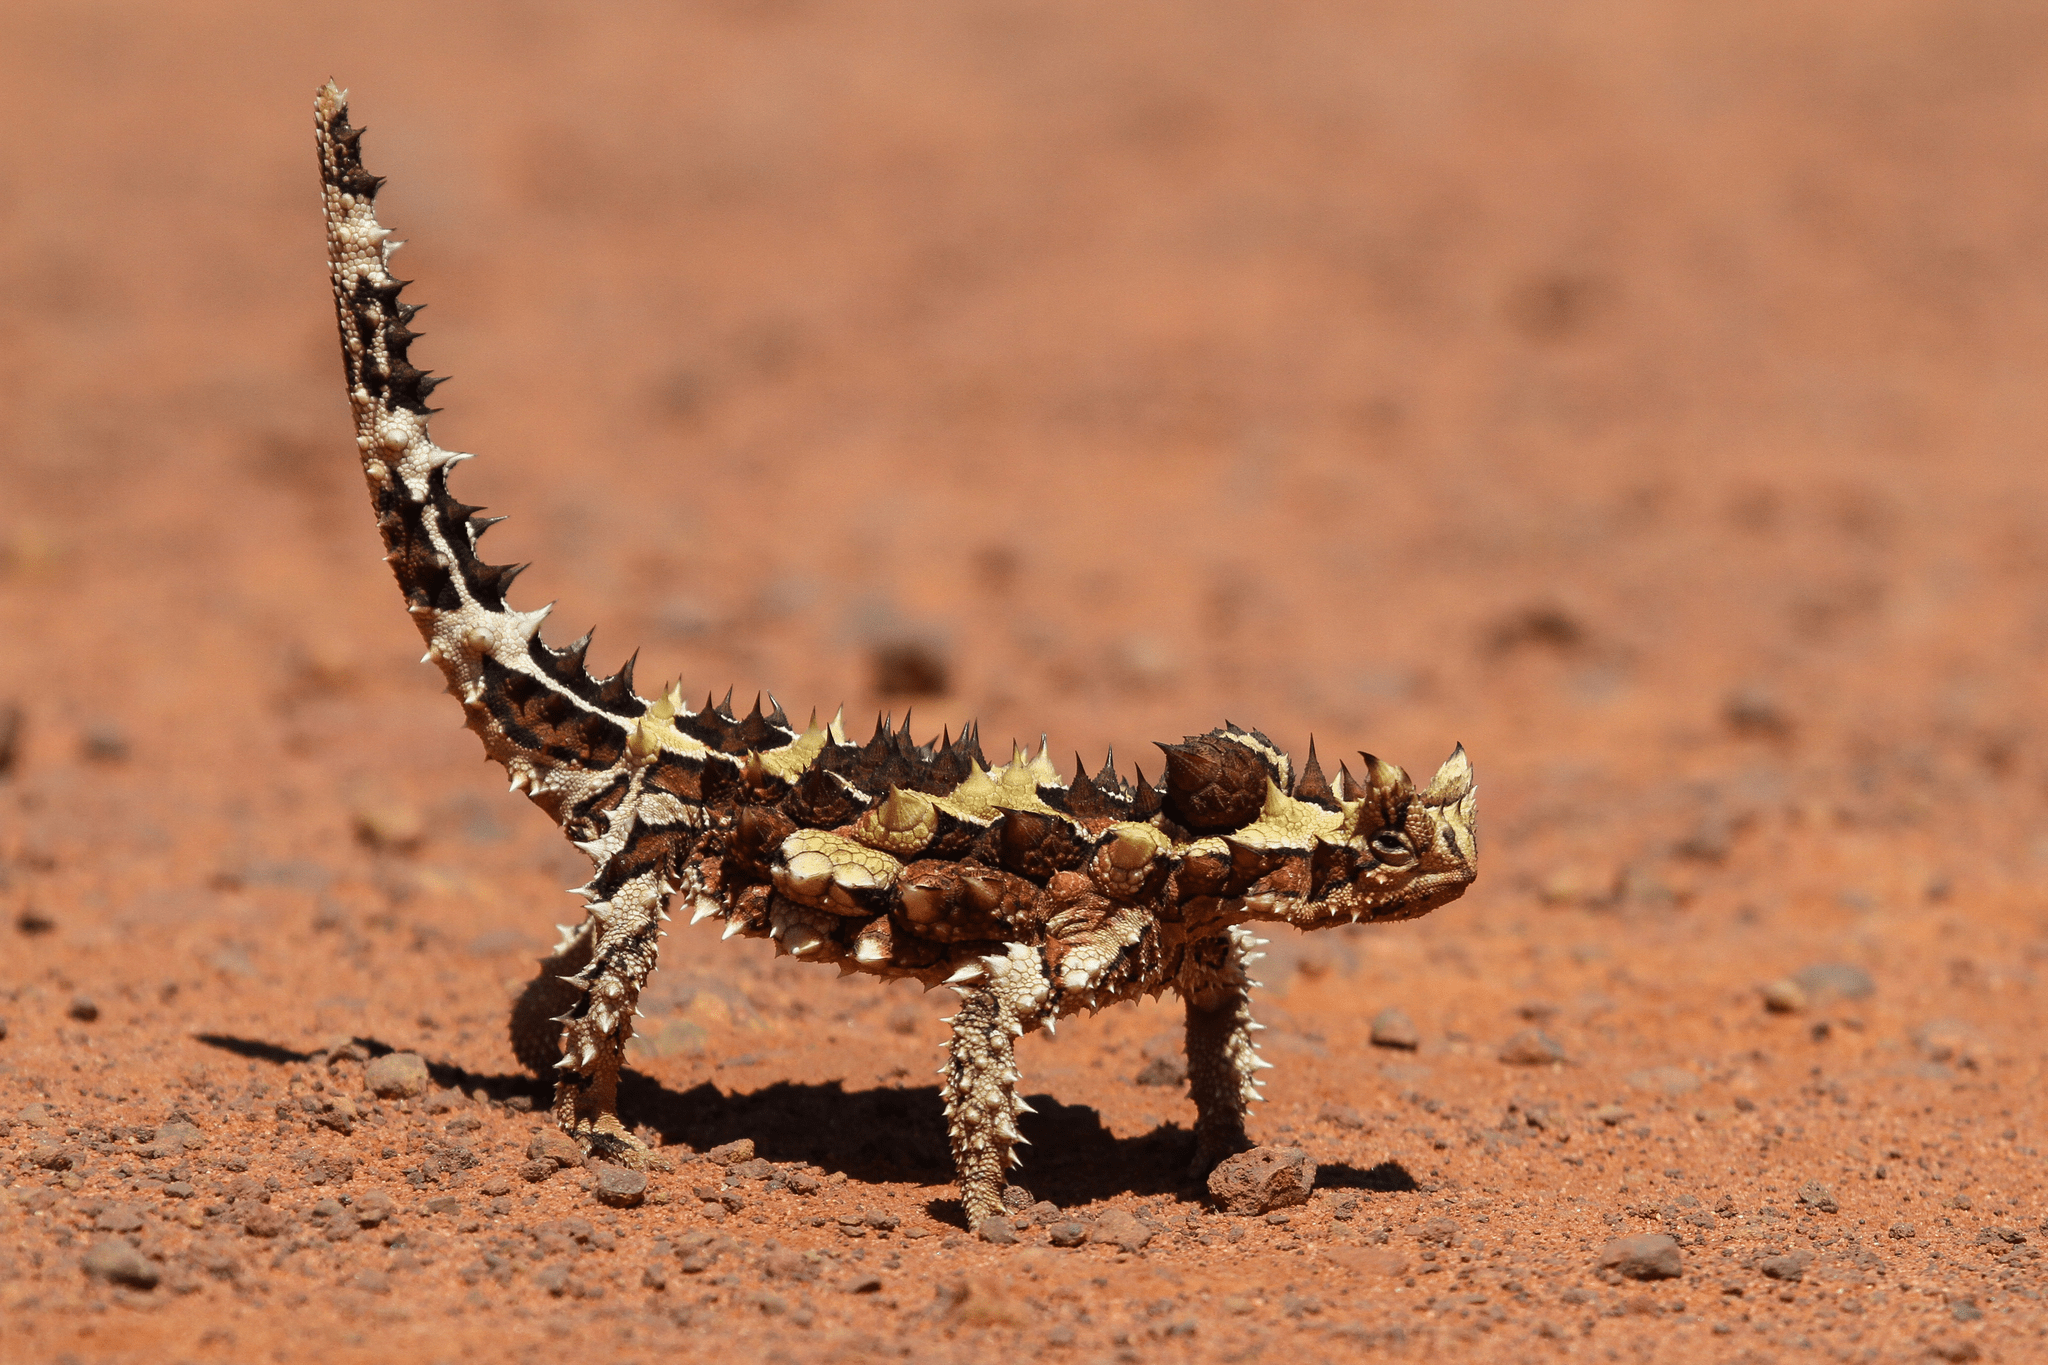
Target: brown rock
x,y
554,1146
1122,1230
1643,1256
396,1076
262,1220
1393,1028
118,1263
1531,1047
373,1208
996,1228
621,1187
1263,1179
731,1153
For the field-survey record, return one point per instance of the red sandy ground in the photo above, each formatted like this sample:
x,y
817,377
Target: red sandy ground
x,y
1648,395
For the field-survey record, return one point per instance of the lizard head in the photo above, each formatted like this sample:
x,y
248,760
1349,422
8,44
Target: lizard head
x,y
1398,853
1423,845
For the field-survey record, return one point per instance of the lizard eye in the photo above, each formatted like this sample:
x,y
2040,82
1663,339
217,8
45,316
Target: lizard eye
x,y
1391,847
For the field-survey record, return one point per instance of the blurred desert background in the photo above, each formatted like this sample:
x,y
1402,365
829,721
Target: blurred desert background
x,y
1648,396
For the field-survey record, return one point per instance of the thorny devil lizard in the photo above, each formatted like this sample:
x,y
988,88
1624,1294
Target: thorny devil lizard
x,y
1031,896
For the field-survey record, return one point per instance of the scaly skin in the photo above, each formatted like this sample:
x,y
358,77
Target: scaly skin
x,y
1032,896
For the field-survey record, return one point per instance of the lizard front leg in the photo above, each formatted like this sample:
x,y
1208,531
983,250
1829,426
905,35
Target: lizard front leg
x,y
1223,1062
981,1097
623,935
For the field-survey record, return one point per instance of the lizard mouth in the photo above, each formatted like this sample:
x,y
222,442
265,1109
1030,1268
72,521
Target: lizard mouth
x,y
1424,894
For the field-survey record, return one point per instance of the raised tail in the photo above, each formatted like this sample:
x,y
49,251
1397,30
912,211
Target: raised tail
x,y
560,732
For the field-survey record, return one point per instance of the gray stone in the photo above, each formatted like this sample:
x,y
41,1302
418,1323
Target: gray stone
x,y
118,1263
396,1076
731,1153
1643,1256
996,1228
1067,1234
1262,1180
620,1186
1531,1047
1393,1028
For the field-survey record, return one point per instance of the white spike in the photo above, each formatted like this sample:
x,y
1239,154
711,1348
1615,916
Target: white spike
x,y
973,971
962,991
1261,1064
577,982
1024,1108
705,910
732,927
1052,1025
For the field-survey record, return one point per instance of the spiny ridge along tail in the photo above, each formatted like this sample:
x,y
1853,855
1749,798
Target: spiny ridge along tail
x,y
538,709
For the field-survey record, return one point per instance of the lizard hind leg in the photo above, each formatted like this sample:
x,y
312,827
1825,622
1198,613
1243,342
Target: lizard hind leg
x,y
982,1103
536,1032
594,1028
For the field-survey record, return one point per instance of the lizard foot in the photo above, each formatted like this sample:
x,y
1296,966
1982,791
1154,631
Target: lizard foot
x,y
607,1139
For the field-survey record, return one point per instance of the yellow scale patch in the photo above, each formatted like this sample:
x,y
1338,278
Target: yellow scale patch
x,y
656,733
1287,823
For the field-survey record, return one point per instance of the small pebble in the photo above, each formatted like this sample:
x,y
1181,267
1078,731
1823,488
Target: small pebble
x,y
1263,1179
1067,1234
1531,1047
620,1187
1839,980
1123,1230
1790,1267
731,1153
118,1263
1904,1231
396,1076
996,1228
83,1009
1393,1028
1643,1256
119,1218
1815,1195
1784,996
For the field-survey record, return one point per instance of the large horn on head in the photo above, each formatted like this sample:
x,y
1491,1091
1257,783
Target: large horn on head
x,y
1453,781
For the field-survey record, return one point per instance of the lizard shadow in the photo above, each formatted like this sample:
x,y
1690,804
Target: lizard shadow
x,y
898,1134
874,1135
